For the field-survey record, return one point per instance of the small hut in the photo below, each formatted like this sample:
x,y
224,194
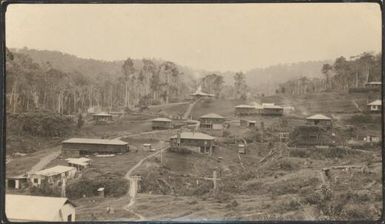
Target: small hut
x,y
375,106
102,117
320,120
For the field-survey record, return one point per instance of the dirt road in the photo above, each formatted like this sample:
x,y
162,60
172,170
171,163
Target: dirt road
x,y
133,188
189,109
44,161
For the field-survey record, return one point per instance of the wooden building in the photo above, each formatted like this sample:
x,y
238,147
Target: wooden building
x,y
16,182
102,117
194,141
320,120
27,208
161,123
244,110
271,109
76,147
79,163
212,121
375,106
374,85
53,175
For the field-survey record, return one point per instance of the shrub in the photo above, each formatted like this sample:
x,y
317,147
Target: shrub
x,y
297,152
113,184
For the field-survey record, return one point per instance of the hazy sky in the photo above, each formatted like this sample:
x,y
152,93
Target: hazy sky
x,y
207,36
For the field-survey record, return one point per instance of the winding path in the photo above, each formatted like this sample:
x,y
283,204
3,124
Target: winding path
x,y
133,183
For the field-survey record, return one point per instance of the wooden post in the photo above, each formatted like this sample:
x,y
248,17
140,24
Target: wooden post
x,y
161,157
63,188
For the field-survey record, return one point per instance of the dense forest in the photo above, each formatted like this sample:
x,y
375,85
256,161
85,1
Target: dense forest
x,y
41,86
343,75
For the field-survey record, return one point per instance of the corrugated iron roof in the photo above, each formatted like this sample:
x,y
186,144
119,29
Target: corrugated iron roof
x,y
245,106
375,103
33,208
211,115
194,135
102,114
318,117
54,170
95,141
161,119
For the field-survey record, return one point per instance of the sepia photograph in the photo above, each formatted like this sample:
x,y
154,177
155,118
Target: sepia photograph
x,y
193,112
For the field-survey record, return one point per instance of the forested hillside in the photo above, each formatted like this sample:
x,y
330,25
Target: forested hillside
x,y
342,74
62,85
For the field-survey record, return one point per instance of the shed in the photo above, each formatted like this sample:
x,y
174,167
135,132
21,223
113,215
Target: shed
x,y
375,106
161,123
83,146
212,121
27,208
16,182
196,141
53,175
102,117
79,163
373,85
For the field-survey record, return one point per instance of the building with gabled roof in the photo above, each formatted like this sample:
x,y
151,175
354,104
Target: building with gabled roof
x,y
102,117
53,175
161,123
271,109
319,120
242,110
195,141
79,163
375,106
27,208
211,121
76,147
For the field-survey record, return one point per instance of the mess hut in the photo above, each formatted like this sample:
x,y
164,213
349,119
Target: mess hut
x,y
194,141
76,147
161,123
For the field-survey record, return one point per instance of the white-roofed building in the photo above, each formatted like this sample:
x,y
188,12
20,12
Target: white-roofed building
x,y
53,175
161,123
212,121
196,141
374,85
319,120
79,163
375,106
27,208
76,147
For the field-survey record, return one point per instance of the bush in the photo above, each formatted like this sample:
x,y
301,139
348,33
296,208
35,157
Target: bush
x,y
362,119
297,152
114,186
43,124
